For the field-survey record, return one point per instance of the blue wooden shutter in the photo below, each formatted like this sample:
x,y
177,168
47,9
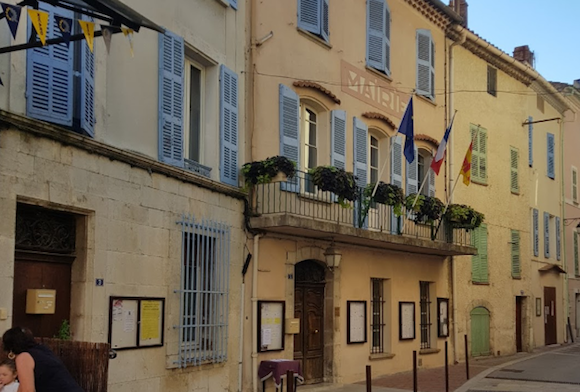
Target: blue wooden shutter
x,y
387,39
551,161
49,75
536,232
360,165
376,26
546,235
324,28
229,126
424,63
309,17
171,59
234,4
87,87
412,180
396,174
338,136
558,239
290,133
530,142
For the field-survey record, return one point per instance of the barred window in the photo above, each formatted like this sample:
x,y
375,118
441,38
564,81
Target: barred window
x,y
425,315
378,316
204,292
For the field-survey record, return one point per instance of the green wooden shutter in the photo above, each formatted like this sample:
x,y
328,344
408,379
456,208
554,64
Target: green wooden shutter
x,y
576,267
475,258
479,268
474,152
514,180
516,265
483,155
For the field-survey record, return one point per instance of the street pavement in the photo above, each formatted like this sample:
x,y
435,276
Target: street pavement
x,y
547,369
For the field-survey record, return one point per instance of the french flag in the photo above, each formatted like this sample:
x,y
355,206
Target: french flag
x,y
438,159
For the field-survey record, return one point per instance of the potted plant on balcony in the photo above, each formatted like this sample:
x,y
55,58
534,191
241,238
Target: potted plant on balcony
x,y
462,216
335,180
276,168
427,209
388,194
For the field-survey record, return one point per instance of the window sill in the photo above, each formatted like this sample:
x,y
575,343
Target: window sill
x,y
478,182
427,351
314,38
377,356
480,283
426,99
516,277
380,74
515,193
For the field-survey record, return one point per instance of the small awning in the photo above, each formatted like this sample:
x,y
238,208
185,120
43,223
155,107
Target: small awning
x,y
550,267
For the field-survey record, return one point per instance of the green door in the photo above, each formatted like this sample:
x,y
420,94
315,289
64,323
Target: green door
x,y
480,332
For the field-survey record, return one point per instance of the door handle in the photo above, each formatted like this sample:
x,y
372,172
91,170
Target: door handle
x,y
315,331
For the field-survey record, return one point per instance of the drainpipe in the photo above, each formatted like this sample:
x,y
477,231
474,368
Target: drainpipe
x,y
255,313
451,179
563,231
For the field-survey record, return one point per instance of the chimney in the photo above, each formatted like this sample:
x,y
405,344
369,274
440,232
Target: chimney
x,y
525,55
460,7
577,83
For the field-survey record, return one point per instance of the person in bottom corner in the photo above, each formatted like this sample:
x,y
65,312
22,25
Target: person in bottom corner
x,y
8,382
37,368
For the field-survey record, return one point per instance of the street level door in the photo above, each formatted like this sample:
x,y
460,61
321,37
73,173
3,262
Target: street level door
x,y
309,308
519,323
550,331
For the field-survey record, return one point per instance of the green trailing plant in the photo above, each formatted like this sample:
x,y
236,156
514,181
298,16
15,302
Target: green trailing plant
x,y
427,209
64,331
388,194
335,180
262,172
462,216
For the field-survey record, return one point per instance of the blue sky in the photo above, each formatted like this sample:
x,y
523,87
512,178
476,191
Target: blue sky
x,y
549,28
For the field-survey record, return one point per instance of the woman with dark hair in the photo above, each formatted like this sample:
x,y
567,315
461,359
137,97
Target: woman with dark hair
x,y
38,369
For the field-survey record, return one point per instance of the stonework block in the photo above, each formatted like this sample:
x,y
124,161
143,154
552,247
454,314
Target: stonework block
x,y
164,183
85,160
115,169
49,170
8,218
123,237
154,198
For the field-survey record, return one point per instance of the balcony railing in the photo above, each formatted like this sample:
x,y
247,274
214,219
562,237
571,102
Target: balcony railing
x,y
300,197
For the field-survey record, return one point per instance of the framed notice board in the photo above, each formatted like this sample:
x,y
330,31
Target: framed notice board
x,y
136,322
271,325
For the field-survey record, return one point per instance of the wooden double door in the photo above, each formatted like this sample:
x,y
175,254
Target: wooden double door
x,y
309,343
550,325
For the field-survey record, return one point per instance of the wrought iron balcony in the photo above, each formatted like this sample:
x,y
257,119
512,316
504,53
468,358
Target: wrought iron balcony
x,y
298,207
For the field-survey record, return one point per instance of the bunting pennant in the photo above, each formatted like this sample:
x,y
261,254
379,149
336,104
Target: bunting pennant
x,y
1,84
89,32
129,34
65,26
107,36
12,13
40,22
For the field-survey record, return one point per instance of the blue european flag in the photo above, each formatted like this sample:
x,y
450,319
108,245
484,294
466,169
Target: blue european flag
x,y
406,128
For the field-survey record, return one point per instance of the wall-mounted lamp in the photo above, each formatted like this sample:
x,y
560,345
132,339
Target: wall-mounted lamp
x,y
332,256
569,221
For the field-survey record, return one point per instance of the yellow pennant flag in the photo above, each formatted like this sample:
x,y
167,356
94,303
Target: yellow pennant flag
x,y
89,32
39,20
129,34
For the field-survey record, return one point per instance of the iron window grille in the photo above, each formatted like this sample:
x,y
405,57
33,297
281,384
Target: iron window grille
x,y
425,315
378,316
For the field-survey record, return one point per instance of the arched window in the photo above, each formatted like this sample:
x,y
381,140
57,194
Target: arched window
x,y
424,159
374,161
378,153
310,121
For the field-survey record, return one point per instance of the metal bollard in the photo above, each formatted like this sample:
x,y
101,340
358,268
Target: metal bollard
x,y
466,358
369,385
415,371
446,368
290,381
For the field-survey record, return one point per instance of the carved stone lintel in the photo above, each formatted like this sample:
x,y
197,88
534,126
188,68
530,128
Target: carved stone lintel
x,y
44,230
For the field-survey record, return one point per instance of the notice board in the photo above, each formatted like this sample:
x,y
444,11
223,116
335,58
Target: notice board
x,y
136,322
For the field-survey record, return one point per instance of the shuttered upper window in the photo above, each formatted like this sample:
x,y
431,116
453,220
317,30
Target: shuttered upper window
x,y
576,264
551,162
425,64
491,80
53,91
479,267
313,17
515,254
574,185
536,232
479,155
379,36
514,178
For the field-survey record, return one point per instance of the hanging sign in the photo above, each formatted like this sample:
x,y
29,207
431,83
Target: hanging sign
x,y
40,22
12,13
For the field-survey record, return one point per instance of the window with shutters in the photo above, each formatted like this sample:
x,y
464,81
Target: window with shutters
x,y
374,161
310,143
379,36
491,80
576,264
60,79
551,160
193,114
425,64
313,17
479,266
515,254
424,158
479,155
514,176
536,232
574,185
547,235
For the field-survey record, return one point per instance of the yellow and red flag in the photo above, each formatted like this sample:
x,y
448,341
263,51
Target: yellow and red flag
x,y
466,167
39,20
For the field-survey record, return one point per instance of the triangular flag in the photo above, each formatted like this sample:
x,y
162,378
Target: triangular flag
x,y
1,84
107,36
89,32
129,34
64,25
12,13
40,22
